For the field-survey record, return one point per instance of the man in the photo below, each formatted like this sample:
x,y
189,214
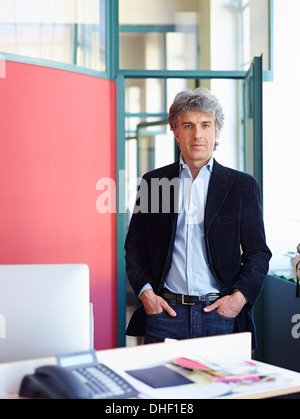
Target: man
x,y
196,254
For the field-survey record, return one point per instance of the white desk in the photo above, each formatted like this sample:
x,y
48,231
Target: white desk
x,y
237,346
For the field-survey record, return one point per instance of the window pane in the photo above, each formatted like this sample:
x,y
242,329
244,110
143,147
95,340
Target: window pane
x,y
194,34
67,31
181,51
141,50
159,34
145,95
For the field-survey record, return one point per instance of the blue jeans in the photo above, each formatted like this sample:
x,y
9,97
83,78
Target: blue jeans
x,y
190,322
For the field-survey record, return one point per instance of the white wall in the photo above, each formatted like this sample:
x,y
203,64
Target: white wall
x,y
282,138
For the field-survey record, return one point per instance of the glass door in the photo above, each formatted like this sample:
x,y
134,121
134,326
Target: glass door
x,y
253,120
253,149
156,146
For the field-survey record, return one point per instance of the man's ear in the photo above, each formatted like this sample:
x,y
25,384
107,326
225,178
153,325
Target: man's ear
x,y
175,132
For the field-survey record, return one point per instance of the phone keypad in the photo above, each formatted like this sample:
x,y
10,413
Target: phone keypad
x,y
102,382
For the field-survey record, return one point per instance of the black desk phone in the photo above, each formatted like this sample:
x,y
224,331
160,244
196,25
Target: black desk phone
x,y
77,376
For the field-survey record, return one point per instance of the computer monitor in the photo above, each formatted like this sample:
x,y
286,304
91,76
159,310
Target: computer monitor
x,y
44,311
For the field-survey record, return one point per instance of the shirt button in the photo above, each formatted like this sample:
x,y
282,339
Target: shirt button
x,y
191,247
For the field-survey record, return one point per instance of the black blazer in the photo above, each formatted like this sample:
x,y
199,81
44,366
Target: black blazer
x,y
234,236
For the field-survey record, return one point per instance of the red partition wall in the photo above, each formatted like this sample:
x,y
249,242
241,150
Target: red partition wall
x,y
57,139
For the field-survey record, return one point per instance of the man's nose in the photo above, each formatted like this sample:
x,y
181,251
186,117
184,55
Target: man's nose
x,y
198,131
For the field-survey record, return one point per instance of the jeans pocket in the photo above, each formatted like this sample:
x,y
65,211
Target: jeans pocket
x,y
224,317
154,315
158,327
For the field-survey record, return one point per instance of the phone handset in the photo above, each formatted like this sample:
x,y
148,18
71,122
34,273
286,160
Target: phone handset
x,y
53,381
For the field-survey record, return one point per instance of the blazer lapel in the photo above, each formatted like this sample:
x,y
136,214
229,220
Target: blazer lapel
x,y
218,190
172,175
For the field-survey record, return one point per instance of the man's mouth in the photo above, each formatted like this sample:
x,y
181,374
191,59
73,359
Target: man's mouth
x,y
198,145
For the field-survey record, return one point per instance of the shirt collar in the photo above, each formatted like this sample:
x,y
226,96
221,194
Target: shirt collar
x,y
209,165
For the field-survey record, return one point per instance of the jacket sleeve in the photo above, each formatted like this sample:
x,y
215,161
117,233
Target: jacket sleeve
x,y
255,253
138,263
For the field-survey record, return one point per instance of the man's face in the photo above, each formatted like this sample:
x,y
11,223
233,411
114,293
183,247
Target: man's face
x,y
196,137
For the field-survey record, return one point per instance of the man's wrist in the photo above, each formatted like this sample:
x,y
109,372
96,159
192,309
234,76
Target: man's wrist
x,y
240,295
145,288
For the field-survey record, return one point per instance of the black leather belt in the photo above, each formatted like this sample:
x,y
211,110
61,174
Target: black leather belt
x,y
189,300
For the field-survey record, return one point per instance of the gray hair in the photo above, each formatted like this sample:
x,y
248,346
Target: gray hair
x,y
201,100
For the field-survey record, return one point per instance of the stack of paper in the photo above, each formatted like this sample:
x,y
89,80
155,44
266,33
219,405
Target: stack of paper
x,y
199,378
227,371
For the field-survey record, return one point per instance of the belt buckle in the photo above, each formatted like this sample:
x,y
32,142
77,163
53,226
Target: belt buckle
x,y
184,303
213,297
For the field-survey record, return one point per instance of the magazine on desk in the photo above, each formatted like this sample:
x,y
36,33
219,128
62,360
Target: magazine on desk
x,y
227,371
200,378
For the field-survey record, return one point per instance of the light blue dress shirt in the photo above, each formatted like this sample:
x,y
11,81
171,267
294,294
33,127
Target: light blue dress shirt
x,y
190,273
